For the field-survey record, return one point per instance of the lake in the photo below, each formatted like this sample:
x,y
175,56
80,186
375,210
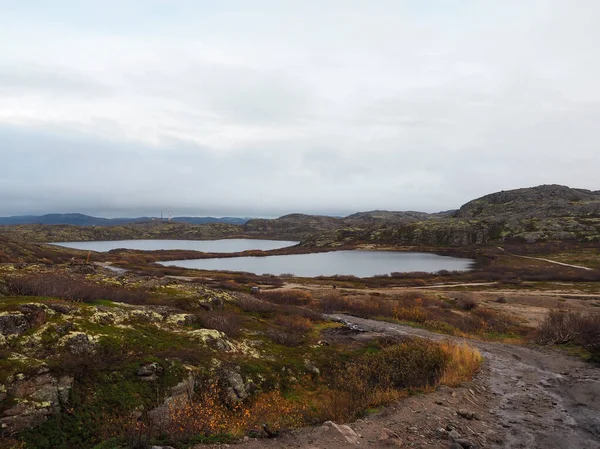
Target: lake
x,y
207,246
357,263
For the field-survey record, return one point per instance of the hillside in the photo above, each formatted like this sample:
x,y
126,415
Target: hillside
x,y
536,202
543,213
87,220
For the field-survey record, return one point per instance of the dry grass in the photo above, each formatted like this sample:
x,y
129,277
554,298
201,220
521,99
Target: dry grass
x,y
288,297
463,362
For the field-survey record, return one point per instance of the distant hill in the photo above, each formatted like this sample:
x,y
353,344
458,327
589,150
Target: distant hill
x,y
543,201
542,213
87,220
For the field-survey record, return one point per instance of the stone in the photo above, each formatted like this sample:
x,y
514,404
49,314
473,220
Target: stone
x,y
34,313
453,435
466,414
149,372
13,323
311,369
78,343
390,438
236,389
342,430
455,446
212,338
34,399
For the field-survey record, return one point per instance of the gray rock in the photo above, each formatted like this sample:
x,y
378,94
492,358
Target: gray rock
x,y
34,313
312,369
455,446
79,343
454,435
35,398
466,414
13,323
149,372
236,388
466,444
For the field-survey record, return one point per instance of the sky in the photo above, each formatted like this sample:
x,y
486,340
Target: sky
x,y
266,107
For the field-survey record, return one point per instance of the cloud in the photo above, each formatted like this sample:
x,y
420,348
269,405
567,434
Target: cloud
x,y
308,106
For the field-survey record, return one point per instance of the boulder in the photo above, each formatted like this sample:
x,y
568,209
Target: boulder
x,y
13,323
34,313
341,430
78,343
33,399
236,389
213,338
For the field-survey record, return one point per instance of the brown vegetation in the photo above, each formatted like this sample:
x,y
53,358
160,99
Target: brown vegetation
x,y
562,327
72,289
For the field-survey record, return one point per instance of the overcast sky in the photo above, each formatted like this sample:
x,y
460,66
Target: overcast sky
x,y
264,107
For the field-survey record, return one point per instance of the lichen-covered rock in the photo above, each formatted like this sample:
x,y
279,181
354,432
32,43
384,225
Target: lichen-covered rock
x,y
33,399
78,343
35,314
13,323
181,319
212,338
235,386
145,316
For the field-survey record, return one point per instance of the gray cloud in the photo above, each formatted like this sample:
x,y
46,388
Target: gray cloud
x,y
327,107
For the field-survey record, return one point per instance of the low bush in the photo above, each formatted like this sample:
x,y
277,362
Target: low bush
x,y
561,327
287,297
72,289
466,303
230,323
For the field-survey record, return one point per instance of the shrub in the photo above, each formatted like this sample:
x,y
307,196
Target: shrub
x,y
287,297
466,303
332,302
73,289
229,323
559,327
294,323
567,326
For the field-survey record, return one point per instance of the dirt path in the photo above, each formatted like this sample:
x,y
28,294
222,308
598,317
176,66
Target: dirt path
x,y
555,262
544,399
523,398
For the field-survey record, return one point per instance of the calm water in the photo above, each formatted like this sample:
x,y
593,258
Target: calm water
x,y
207,246
357,263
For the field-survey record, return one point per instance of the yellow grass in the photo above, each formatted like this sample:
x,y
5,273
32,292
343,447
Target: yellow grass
x,y
464,362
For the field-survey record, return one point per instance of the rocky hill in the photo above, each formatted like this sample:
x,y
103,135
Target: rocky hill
x,y
543,213
87,220
542,202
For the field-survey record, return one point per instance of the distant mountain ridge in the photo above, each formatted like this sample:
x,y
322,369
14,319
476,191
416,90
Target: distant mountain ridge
x,y
534,214
88,220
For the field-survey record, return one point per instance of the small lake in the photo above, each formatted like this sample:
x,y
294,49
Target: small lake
x,y
357,263
207,246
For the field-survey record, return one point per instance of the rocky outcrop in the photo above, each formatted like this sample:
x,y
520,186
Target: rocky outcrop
x,y
28,401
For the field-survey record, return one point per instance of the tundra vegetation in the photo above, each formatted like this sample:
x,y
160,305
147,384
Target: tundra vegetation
x,y
143,360
154,355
